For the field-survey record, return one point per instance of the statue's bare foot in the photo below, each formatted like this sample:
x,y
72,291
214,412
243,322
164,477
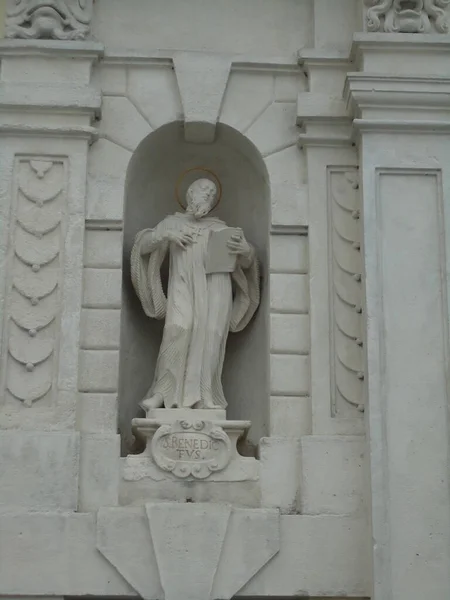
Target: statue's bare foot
x,y
156,401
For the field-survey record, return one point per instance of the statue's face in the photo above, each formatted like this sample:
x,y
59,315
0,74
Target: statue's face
x,y
200,197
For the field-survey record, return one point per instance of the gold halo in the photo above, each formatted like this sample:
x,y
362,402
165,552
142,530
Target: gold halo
x,y
203,170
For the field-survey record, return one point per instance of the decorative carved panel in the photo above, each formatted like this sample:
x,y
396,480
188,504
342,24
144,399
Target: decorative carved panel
x,y
407,16
35,271
51,19
347,362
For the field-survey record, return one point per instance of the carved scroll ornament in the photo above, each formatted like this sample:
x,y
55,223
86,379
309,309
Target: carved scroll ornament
x,y
407,16
191,448
51,19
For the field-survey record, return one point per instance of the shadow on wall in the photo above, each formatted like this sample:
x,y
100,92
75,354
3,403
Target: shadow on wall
x,y
152,174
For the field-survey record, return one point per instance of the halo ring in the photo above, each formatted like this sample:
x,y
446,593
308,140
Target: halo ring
x,y
203,170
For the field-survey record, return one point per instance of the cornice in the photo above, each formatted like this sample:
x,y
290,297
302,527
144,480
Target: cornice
x,y
323,57
311,59
413,126
324,120
327,134
318,107
422,94
41,131
164,58
51,49
410,43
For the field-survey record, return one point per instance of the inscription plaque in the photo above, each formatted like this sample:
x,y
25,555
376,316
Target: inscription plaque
x,y
191,448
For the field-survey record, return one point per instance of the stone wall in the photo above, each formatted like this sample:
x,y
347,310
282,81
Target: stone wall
x,y
338,112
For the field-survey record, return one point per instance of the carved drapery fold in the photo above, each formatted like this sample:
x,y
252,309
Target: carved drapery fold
x,y
32,326
407,16
51,19
346,293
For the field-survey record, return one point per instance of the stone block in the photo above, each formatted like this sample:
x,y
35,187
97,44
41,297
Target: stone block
x,y
280,473
275,128
206,550
333,478
99,370
246,96
97,413
287,167
289,293
103,249
289,333
287,86
289,204
122,123
205,25
124,542
155,92
202,79
99,471
55,96
288,254
289,375
100,329
107,168
112,79
38,471
289,191
290,417
39,69
102,288
320,557
58,557
188,542
244,494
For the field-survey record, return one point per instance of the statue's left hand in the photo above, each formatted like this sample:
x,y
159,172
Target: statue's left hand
x,y
239,245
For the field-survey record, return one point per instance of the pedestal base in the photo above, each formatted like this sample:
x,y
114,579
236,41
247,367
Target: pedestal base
x,y
188,449
167,415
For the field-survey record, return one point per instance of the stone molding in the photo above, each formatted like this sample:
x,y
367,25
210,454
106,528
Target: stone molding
x,y
413,99
322,116
75,50
323,120
51,19
34,108
401,16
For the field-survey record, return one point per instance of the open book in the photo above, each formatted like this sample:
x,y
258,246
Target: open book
x,y
218,258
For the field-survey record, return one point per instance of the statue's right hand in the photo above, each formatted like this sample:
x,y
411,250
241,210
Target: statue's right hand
x,y
178,237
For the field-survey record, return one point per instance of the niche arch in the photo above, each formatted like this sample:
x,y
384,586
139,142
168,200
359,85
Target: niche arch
x,y
151,176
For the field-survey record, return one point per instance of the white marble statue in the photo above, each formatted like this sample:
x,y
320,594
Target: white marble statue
x,y
213,289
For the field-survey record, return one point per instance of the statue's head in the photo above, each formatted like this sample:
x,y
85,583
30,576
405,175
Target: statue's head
x,y
201,197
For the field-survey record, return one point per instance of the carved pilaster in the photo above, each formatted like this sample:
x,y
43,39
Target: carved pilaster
x,y
346,293
51,19
32,301
407,16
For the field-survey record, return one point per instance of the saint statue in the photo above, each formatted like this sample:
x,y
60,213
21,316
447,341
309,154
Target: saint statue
x,y
213,288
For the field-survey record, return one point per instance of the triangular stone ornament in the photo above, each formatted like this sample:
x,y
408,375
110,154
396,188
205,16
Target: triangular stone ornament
x,y
252,540
124,540
188,540
202,80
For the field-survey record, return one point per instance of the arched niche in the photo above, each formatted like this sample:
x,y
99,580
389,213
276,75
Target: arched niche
x,y
153,171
